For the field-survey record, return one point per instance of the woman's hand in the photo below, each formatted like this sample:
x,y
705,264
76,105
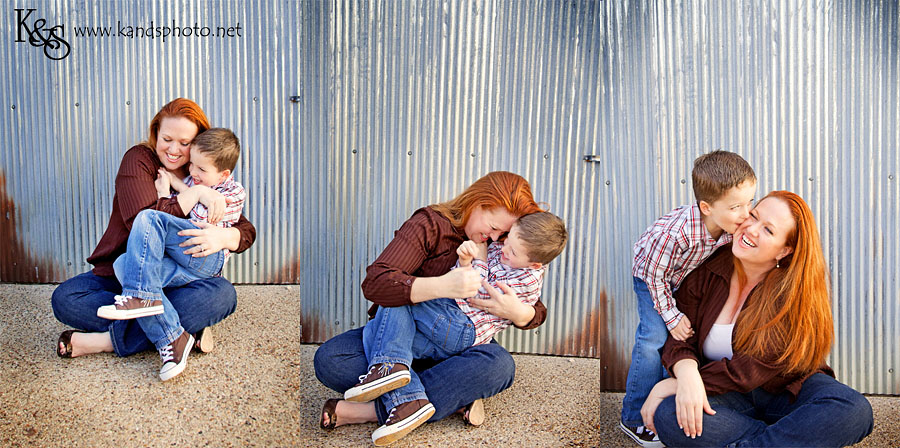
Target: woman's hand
x,y
505,305
660,392
690,398
208,239
461,283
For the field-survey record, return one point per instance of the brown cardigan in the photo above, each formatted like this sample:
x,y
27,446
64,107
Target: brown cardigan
x,y
425,246
135,192
701,298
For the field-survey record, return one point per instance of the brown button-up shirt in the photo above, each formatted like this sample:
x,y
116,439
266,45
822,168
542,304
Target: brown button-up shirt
x,y
701,298
425,246
135,191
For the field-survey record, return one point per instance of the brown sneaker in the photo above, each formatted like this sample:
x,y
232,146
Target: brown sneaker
x,y
403,419
381,378
174,356
127,307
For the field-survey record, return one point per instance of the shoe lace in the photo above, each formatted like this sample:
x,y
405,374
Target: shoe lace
x,y
120,300
383,369
167,354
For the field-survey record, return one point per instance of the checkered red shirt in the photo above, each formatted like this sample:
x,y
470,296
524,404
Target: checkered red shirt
x,y
525,282
230,189
668,251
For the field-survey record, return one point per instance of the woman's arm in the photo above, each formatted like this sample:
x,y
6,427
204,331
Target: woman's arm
x,y
208,239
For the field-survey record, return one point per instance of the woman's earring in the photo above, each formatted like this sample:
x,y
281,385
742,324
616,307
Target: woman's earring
x,y
777,263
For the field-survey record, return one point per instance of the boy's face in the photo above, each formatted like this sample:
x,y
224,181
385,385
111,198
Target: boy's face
x,y
513,253
730,210
204,171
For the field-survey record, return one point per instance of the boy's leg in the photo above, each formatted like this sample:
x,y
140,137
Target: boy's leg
x,y
387,342
646,364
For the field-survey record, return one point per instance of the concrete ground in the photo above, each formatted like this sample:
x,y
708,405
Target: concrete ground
x,y
258,389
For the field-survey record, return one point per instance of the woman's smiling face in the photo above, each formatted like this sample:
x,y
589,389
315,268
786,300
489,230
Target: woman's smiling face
x,y
488,223
173,144
762,238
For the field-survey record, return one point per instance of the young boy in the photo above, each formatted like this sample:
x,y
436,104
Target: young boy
x,y
154,259
724,186
440,328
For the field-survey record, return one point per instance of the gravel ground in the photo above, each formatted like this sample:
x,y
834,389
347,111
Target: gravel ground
x,y
258,389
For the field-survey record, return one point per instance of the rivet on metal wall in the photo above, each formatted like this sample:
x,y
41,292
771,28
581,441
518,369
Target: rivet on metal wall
x,y
810,179
890,370
128,103
546,156
337,322
473,154
255,98
409,153
77,104
255,263
354,151
13,107
683,181
607,182
890,177
69,264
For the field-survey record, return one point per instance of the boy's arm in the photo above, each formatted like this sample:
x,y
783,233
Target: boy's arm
x,y
177,184
657,272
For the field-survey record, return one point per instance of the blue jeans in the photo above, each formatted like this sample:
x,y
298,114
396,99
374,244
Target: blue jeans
x,y
478,372
646,361
435,329
153,261
826,413
199,304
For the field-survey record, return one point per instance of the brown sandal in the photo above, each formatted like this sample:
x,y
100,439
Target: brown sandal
x,y
330,409
474,413
65,338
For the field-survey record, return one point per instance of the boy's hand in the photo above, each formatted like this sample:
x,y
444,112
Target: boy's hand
x,y
683,330
162,184
481,250
466,252
177,184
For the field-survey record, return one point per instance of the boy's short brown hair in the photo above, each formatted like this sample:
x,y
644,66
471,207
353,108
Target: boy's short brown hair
x,y
717,172
543,235
220,145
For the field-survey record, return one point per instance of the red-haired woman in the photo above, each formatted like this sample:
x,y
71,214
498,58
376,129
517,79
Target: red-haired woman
x,y
415,267
754,373
200,303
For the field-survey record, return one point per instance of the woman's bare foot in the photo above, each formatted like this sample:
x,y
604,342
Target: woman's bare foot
x,y
350,413
88,343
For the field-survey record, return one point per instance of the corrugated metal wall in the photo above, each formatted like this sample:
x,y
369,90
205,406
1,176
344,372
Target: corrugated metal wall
x,y
403,104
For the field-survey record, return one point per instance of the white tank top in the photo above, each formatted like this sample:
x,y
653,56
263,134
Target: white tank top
x,y
718,342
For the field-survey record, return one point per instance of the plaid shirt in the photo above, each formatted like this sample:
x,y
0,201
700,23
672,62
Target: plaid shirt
x,y
668,251
230,189
526,283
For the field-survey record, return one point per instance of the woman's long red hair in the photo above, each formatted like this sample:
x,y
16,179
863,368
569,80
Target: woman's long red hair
x,y
495,189
179,107
788,319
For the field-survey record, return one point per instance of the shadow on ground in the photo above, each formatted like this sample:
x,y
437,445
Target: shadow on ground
x,y
258,389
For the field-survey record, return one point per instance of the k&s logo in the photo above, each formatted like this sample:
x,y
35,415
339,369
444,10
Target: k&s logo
x,y
36,34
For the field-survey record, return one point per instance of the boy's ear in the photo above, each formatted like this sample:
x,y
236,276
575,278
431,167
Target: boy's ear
x,y
226,173
535,265
704,208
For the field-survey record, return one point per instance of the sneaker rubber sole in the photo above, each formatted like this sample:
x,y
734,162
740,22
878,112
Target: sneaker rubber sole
x,y
370,391
644,443
385,435
110,312
176,368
